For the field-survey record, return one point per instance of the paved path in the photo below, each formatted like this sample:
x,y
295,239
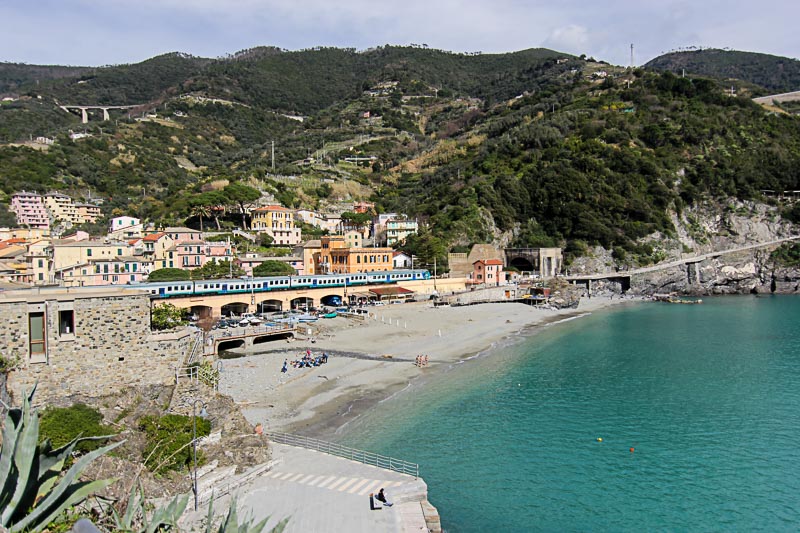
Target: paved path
x,y
688,259
321,493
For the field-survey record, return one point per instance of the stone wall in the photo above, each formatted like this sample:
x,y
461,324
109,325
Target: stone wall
x,y
109,346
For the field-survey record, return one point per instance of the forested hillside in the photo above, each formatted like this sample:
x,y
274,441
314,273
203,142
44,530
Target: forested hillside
x,y
531,148
774,73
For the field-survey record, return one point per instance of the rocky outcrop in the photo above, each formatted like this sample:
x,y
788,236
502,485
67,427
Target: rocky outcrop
x,y
743,273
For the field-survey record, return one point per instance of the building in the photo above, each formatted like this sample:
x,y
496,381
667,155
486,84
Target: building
x,y
544,262
353,239
30,210
251,261
334,257
120,270
181,234
88,213
402,261
61,208
363,207
277,222
66,253
487,272
124,228
397,229
92,342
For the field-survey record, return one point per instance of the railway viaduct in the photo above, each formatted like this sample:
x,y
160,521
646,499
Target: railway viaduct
x,y
216,305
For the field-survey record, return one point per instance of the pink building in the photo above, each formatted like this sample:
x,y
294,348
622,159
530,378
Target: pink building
x,y
120,270
189,255
30,210
487,272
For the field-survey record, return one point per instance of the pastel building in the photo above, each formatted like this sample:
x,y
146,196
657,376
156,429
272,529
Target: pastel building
x,y
335,257
276,221
125,228
30,210
487,272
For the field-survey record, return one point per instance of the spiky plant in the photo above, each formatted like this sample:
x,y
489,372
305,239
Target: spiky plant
x,y
135,518
33,491
230,524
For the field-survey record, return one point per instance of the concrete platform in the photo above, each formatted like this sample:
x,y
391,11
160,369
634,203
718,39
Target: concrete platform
x,y
321,493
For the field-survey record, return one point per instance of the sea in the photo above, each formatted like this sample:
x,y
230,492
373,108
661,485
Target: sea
x,y
645,417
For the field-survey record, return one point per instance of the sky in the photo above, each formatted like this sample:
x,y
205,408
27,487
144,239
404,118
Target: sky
x,y
111,32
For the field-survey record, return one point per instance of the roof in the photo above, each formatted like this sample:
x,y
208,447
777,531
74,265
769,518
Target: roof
x,y
271,208
153,236
489,261
390,291
180,230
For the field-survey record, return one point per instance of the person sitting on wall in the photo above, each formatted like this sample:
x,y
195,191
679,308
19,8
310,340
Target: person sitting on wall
x,y
381,497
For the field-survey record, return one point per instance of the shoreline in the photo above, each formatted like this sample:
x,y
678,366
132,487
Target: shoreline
x,y
372,361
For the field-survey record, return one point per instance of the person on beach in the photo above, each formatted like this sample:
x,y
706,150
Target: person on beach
x,y
425,361
372,506
285,367
381,497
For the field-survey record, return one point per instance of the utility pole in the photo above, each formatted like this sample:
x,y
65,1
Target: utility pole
x,y
631,55
273,157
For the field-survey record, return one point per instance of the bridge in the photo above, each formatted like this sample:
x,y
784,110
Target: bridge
x,y
624,277
84,109
783,97
216,305
245,337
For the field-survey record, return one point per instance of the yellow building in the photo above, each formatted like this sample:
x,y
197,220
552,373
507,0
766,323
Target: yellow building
x,y
71,253
335,257
277,222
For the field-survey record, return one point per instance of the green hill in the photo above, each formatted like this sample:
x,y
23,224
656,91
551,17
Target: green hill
x,y
538,147
774,73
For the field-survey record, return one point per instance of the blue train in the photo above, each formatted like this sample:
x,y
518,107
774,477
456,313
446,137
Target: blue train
x,y
166,289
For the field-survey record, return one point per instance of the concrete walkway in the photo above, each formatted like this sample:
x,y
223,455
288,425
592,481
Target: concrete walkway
x,y
320,493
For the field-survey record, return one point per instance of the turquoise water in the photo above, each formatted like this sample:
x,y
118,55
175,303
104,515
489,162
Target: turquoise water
x,y
707,395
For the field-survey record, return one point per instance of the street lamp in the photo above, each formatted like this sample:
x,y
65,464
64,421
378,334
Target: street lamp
x,y
203,414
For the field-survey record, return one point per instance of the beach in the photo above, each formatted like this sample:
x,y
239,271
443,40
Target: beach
x,y
370,360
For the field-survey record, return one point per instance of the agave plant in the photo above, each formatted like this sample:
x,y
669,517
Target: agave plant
x,y
32,490
135,518
230,524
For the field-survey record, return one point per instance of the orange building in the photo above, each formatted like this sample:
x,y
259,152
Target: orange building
x,y
335,257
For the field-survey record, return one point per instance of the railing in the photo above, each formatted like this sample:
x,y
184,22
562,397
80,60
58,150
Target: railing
x,y
190,372
361,456
196,347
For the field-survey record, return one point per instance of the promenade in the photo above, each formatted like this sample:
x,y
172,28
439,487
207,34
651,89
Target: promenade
x,y
320,493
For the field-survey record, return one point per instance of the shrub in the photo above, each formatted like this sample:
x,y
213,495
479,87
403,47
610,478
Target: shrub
x,y
165,316
63,424
169,440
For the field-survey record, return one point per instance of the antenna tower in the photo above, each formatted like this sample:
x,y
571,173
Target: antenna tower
x,y
631,55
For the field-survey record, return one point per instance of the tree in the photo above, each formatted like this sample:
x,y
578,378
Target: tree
x,y
169,274
357,220
241,195
165,316
200,211
217,269
273,268
215,202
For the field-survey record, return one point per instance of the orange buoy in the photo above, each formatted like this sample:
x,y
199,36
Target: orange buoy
x,y
631,450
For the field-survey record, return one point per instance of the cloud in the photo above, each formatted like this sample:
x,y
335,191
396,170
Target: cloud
x,y
96,32
572,38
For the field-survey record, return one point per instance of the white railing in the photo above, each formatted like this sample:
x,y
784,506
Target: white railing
x,y
361,456
196,347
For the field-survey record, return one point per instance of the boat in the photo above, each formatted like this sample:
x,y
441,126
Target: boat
x,y
330,315
307,318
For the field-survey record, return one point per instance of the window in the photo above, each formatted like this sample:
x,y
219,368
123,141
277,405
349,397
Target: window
x,y
41,276
119,251
41,263
36,334
88,252
66,322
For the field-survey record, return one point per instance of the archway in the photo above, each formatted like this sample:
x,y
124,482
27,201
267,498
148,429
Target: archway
x,y
273,337
522,264
234,309
228,345
303,303
202,312
333,300
269,306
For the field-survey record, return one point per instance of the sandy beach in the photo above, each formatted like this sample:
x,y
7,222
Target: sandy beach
x,y
371,360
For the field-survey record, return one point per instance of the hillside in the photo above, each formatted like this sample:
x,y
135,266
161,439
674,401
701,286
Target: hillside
x,y
16,75
532,148
774,73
